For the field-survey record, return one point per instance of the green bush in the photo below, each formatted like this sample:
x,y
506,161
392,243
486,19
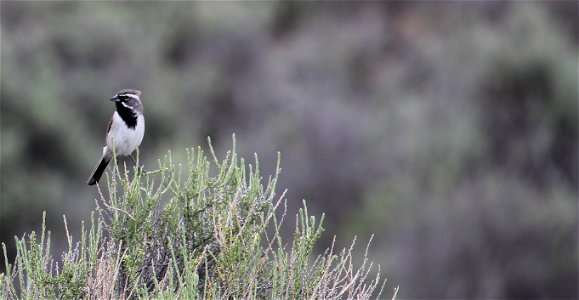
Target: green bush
x,y
209,232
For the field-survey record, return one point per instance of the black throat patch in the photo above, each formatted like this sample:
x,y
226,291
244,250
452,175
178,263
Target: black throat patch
x,y
127,115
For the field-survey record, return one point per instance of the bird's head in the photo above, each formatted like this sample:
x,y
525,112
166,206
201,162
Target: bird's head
x,y
129,98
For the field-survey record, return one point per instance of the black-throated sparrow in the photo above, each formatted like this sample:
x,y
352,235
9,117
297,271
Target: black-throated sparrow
x,y
125,131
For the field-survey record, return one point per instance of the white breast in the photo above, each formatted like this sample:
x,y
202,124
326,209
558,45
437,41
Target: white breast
x,y
124,140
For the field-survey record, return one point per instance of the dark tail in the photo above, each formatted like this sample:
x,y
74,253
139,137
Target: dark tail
x,y
98,171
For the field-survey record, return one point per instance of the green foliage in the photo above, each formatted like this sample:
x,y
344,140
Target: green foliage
x,y
36,275
209,231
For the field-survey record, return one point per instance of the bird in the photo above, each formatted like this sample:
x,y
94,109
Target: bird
x,y
125,130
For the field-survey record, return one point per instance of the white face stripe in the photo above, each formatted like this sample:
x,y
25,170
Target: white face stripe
x,y
125,105
132,96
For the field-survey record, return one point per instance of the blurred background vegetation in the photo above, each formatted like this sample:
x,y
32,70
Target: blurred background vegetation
x,y
449,129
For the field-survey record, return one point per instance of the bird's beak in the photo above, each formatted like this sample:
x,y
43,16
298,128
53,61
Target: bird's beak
x,y
115,98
